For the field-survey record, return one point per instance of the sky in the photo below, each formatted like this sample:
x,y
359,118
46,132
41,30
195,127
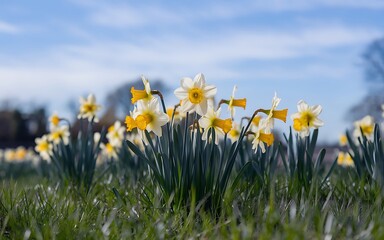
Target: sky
x,y
52,52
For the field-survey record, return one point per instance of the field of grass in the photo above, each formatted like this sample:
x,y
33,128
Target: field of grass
x,y
186,173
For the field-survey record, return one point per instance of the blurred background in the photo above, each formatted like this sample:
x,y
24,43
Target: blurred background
x,y
327,52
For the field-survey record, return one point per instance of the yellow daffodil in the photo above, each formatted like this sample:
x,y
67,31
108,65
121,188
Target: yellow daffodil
x,y
344,159
261,137
306,118
44,147
194,94
366,126
88,108
58,134
115,134
147,116
144,95
211,120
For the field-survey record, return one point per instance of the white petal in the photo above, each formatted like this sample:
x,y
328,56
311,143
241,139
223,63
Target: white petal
x,y
181,93
209,91
186,83
302,106
201,108
199,80
316,109
317,123
205,122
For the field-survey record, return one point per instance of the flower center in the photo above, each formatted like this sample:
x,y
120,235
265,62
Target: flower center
x,y
143,120
307,119
195,95
89,108
43,147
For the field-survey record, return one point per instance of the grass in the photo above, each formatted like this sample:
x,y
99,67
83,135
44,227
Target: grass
x,y
33,207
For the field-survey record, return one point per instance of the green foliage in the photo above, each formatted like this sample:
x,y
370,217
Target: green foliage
x,y
75,162
368,156
302,169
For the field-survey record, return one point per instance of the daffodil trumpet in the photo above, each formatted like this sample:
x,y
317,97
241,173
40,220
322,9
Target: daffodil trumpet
x,y
277,114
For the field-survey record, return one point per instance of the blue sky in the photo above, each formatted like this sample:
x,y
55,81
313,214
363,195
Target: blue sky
x,y
53,51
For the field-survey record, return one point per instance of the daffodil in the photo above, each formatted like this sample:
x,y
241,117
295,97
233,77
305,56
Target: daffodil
x,y
306,118
115,134
88,108
194,94
343,140
366,126
9,155
44,147
147,116
234,134
232,103
144,95
109,150
177,115
274,114
59,134
261,137
54,120
21,153
345,160
211,120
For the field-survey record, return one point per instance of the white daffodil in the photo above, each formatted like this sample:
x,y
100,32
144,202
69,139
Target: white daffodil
x,y
109,150
115,134
88,108
144,95
147,116
365,125
194,94
262,137
273,113
9,155
306,118
211,120
234,134
58,134
44,147
232,103
54,121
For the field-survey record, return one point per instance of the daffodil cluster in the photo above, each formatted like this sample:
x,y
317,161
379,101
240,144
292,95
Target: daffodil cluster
x,y
115,137
17,155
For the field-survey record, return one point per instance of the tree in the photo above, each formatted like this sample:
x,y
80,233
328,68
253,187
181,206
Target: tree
x,y
373,63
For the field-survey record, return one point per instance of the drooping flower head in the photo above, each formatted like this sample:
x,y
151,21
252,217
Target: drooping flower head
x,y
232,102
274,114
88,108
44,147
194,94
306,118
262,137
147,116
144,95
366,126
211,120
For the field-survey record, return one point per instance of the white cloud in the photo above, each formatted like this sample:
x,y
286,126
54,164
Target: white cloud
x,y
8,28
